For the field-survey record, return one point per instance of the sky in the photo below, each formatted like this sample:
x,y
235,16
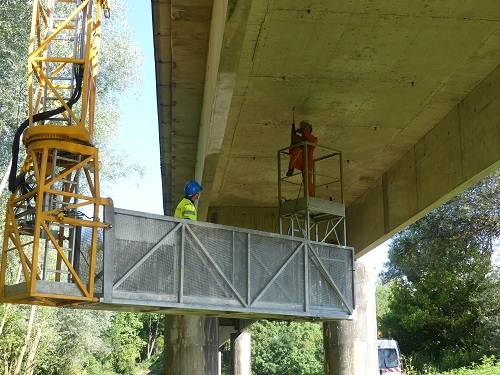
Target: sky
x,y
139,127
376,258
145,194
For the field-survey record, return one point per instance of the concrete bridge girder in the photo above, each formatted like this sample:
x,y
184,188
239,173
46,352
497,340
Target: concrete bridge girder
x,y
402,92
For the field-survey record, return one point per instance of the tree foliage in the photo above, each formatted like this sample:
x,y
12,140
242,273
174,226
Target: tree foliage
x,y
120,64
126,345
119,74
68,341
286,348
70,337
15,23
444,287
151,332
382,292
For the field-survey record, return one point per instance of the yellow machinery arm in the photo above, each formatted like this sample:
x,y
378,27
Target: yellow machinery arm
x,y
52,220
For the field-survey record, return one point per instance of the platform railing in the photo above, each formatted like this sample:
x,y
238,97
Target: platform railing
x,y
315,210
162,264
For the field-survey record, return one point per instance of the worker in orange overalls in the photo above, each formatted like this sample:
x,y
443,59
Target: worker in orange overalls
x,y
297,154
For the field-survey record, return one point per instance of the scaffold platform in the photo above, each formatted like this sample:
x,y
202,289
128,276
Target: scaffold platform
x,y
160,264
141,262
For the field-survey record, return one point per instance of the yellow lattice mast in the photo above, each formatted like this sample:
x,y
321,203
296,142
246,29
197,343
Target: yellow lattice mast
x,y
53,228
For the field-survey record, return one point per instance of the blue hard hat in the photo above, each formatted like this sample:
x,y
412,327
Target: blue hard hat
x,y
192,187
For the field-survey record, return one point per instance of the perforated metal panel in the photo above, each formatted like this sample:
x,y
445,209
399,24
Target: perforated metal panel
x,y
159,263
82,257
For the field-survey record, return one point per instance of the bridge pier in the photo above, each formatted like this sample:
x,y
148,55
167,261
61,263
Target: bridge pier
x,y
240,353
191,345
351,345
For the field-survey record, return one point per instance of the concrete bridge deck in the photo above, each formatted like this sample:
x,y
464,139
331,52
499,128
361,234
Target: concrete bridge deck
x,y
409,91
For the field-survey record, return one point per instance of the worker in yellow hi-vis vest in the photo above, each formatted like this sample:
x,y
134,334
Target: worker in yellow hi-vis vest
x,y
186,208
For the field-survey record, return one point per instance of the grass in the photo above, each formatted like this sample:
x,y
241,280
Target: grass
x,y
488,366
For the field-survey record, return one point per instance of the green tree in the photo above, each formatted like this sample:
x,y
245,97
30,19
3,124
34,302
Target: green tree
x,y
15,23
13,335
382,293
120,64
126,345
491,320
69,337
151,333
441,273
120,67
57,337
286,348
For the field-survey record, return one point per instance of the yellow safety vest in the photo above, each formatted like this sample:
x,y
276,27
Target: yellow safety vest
x,y
186,210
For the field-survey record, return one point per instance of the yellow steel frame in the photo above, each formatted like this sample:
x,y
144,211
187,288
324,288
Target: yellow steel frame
x,y
51,177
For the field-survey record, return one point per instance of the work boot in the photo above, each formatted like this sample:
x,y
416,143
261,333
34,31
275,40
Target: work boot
x,y
289,173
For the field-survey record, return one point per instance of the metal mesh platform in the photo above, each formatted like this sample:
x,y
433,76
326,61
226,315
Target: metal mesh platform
x,y
161,264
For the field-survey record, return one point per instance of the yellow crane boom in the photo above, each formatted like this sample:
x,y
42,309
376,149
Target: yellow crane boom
x,y
53,214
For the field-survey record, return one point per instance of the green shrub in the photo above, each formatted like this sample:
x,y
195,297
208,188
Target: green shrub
x,y
487,366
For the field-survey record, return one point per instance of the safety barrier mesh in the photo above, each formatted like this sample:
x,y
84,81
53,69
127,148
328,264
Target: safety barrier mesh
x,y
165,261
82,258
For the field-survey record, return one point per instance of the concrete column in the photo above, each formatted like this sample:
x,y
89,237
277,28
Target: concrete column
x,y
240,353
351,346
191,345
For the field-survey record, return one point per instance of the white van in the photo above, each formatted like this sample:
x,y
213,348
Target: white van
x,y
389,357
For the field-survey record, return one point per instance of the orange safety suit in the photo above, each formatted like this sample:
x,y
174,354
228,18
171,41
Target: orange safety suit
x,y
297,158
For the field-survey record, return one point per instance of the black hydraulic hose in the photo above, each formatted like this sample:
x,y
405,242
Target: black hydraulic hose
x,y
15,181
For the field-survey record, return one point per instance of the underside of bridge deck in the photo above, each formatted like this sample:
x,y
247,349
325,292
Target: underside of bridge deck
x,y
408,91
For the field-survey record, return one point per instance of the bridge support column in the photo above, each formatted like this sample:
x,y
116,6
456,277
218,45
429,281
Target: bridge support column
x,y
191,345
240,353
351,346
